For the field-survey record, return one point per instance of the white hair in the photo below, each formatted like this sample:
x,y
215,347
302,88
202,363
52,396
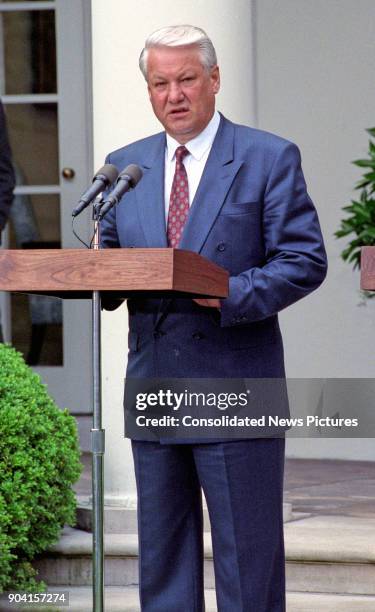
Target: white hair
x,y
177,36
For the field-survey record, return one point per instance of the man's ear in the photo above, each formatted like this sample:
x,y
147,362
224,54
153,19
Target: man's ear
x,y
215,78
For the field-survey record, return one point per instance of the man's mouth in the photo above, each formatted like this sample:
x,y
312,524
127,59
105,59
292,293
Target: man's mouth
x,y
179,112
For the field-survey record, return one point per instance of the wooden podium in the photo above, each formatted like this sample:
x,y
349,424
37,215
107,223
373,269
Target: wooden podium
x,y
368,268
76,273
115,273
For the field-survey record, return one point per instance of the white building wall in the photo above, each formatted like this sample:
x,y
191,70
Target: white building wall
x,y
315,85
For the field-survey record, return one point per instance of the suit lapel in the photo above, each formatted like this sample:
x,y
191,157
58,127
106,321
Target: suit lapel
x,y
217,177
150,194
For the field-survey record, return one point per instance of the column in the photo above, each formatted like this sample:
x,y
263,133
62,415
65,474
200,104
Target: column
x,y
122,114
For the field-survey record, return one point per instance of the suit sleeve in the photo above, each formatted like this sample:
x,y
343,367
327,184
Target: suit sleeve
x,y
7,181
295,258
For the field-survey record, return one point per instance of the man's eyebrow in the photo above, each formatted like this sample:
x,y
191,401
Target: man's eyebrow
x,y
184,72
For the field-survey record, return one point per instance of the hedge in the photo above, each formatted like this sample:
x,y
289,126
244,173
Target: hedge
x,y
39,462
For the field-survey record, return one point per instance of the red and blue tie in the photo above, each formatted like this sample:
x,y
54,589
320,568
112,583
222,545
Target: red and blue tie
x,y
179,200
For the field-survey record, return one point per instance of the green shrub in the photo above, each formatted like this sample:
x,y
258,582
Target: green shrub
x,y
39,461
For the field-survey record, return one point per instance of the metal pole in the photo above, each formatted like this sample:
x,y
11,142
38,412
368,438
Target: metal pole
x,y
98,444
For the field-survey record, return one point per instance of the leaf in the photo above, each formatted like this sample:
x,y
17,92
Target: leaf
x,y
366,236
356,203
354,256
371,232
364,163
348,225
346,253
362,183
348,208
361,211
371,131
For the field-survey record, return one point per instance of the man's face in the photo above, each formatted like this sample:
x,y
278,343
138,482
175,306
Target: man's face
x,y
182,92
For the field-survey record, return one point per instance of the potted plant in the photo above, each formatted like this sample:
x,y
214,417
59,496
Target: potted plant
x,y
361,219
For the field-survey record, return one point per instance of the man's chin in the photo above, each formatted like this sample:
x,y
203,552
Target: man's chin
x,y
179,129
180,125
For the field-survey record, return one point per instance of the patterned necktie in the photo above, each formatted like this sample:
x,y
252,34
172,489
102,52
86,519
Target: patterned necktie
x,y
179,200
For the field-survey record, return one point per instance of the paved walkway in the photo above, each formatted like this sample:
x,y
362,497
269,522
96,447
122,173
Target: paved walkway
x,y
331,487
312,486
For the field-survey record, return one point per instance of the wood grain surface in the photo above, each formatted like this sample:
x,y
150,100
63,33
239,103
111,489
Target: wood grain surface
x,y
61,271
368,268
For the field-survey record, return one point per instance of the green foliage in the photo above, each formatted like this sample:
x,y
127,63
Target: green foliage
x,y
39,461
361,220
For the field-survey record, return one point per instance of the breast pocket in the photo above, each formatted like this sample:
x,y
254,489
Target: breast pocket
x,y
235,241
241,208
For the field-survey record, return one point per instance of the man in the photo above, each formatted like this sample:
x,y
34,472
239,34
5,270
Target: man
x,y
237,196
7,180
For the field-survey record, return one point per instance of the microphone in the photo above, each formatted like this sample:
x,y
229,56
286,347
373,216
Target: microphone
x,y
102,179
127,179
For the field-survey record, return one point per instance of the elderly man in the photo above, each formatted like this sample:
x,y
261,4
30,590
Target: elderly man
x,y
237,196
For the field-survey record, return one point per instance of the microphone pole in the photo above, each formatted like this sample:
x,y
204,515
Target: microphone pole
x,y
97,440
127,179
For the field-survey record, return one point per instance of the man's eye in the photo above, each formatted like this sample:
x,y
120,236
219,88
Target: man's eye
x,y
159,85
187,79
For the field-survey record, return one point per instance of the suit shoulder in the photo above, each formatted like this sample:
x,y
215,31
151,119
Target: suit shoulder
x,y
261,139
135,152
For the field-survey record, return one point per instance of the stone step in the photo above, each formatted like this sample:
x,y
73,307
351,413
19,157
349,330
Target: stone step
x,y
125,599
123,519
324,555
331,554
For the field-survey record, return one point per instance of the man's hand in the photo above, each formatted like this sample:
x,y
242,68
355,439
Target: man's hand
x,y
209,302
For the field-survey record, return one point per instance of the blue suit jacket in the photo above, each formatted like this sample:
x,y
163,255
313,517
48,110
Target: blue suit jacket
x,y
251,215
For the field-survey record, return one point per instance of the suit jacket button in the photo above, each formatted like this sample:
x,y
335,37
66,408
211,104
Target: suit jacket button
x,y
198,336
157,334
221,246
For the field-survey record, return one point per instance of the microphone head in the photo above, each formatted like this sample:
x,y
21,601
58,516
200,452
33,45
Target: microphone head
x,y
132,173
108,173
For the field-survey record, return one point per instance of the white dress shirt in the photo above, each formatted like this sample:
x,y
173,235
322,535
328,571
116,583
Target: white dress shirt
x,y
199,149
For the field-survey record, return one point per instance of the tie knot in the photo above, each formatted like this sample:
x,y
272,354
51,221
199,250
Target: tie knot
x,y
180,153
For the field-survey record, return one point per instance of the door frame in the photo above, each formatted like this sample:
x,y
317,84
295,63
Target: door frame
x,y
71,383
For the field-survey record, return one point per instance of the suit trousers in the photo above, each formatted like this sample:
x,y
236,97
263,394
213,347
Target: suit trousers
x,y
243,485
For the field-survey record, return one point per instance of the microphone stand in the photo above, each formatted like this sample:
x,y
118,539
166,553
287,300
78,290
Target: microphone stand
x,y
97,441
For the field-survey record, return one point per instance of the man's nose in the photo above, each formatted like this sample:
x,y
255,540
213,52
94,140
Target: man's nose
x,y
175,93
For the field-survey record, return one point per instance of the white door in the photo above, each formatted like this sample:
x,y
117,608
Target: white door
x,y
45,86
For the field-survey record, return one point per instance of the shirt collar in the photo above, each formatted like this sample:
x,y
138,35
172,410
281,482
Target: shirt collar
x,y
198,145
